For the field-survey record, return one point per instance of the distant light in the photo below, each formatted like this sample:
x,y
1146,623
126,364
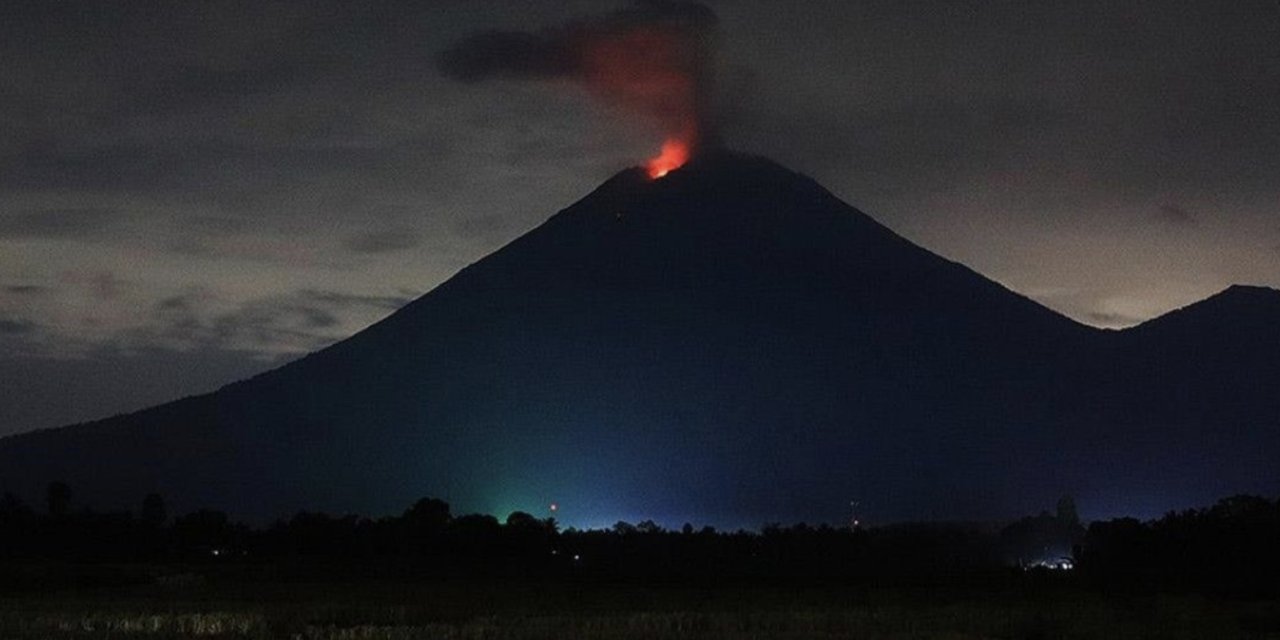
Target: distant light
x,y
576,557
555,507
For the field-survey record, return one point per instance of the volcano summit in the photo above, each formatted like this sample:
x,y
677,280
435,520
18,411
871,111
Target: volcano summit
x,y
728,344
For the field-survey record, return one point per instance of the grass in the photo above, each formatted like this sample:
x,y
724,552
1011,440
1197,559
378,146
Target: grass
x,y
190,606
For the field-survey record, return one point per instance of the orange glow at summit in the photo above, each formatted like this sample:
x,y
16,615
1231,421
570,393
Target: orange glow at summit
x,y
674,154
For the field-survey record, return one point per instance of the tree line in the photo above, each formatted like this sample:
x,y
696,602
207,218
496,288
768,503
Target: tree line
x,y
1233,546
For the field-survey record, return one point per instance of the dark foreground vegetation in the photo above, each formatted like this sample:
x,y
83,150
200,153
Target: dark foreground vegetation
x,y
1212,572
218,605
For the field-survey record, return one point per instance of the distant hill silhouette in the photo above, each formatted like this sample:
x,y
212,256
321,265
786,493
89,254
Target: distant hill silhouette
x,y
730,344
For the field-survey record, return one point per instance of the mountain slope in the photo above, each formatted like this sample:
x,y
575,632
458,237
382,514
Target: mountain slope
x,y
730,344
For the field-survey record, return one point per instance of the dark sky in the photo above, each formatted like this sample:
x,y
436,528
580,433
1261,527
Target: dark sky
x,y
191,192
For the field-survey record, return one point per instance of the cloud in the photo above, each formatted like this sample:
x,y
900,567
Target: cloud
x,y
187,86
25,289
913,145
76,222
383,241
218,225
301,321
1176,215
266,325
1112,320
103,285
16,326
347,300
284,317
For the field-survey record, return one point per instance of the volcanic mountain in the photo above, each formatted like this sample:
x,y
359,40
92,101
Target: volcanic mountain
x,y
729,344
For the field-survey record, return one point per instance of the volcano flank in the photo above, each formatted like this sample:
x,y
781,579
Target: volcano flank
x,y
729,344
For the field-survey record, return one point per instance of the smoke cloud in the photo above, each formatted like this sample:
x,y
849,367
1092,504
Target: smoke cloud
x,y
652,58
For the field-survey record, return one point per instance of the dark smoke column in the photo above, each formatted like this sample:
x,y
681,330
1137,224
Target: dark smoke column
x,y
653,58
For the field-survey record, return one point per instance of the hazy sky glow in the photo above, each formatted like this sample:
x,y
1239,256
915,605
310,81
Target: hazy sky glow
x,y
191,192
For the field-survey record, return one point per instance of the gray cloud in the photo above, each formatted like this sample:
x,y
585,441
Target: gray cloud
x,y
272,324
304,320
188,86
262,319
383,241
16,326
344,300
175,303
220,225
268,324
80,223
177,165
1176,215
1107,319
1114,98
105,285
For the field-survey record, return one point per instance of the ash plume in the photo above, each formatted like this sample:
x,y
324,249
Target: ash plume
x,y
652,58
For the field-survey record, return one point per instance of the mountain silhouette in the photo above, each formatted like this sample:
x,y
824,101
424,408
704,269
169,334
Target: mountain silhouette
x,y
730,344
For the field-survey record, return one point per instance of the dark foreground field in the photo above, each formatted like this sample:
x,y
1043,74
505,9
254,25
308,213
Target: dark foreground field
x,y
1207,573
183,604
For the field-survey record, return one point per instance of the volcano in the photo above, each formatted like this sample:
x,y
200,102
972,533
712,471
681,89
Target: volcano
x,y
729,344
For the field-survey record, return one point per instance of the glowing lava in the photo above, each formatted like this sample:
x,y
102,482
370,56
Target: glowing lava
x,y
674,154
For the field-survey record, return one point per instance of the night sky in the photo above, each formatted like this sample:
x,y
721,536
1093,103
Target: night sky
x,y
193,192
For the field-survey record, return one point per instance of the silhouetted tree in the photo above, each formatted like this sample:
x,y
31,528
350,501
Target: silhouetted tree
x,y
1230,547
648,526
1067,513
428,514
12,508
1242,508
320,534
478,524
522,520
58,499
